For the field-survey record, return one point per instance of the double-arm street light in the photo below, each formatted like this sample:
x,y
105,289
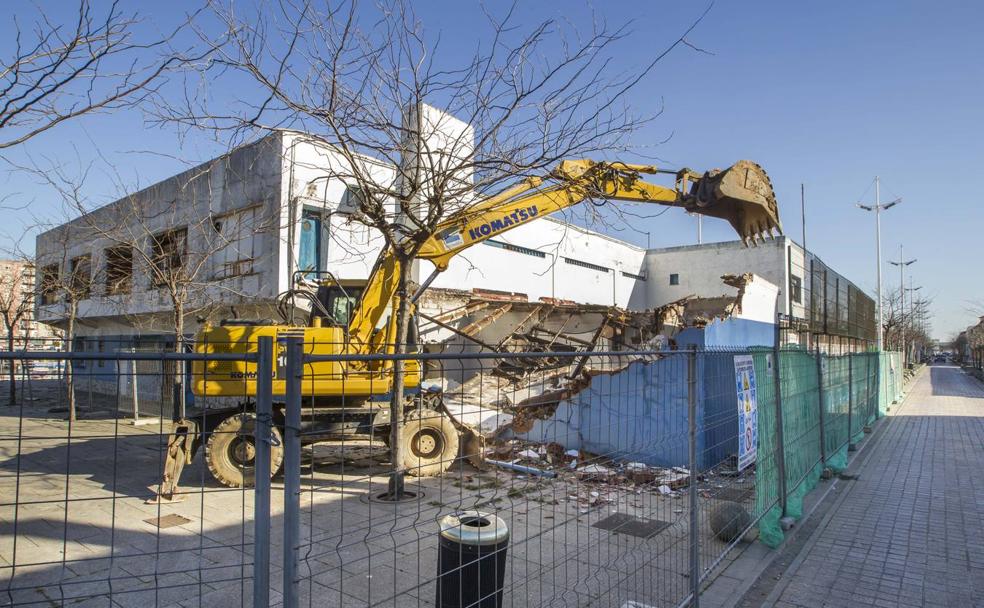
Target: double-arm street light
x,y
902,263
912,302
878,207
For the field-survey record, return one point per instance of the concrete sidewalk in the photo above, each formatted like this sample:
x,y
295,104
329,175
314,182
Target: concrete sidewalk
x,y
910,530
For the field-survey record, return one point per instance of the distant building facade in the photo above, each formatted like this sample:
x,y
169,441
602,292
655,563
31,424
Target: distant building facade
x,y
820,307
17,285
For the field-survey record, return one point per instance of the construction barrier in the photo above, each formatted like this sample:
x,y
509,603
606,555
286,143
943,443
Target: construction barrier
x,y
825,406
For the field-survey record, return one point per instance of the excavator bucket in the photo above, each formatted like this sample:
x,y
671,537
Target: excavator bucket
x,y
741,194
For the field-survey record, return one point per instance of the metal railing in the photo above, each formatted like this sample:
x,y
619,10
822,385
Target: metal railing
x,y
622,476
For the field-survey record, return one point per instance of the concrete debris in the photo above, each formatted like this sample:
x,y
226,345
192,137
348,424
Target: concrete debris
x,y
528,455
594,472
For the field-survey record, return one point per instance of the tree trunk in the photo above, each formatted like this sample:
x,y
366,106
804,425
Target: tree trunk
x,y
13,375
397,449
179,393
69,364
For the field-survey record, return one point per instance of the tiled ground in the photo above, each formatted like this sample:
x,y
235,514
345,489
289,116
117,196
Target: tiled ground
x,y
101,551
910,530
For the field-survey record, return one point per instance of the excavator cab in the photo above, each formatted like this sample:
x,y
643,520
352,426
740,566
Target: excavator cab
x,y
339,299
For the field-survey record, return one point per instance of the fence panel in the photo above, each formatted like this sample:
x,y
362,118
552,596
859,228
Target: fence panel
x,y
77,527
621,476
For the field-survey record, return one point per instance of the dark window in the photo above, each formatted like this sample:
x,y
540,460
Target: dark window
x,y
674,279
81,277
119,269
516,248
796,288
169,248
574,262
49,284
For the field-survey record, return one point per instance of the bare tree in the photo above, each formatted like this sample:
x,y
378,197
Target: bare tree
x,y
527,97
64,280
161,243
911,322
16,304
93,61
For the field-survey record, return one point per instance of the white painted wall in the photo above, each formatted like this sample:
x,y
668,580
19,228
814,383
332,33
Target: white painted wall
x,y
247,177
491,267
700,267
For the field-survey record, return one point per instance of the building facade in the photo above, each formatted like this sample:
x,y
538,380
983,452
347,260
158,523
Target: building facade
x,y
820,307
242,226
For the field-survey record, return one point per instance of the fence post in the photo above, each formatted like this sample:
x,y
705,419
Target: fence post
x,y
292,471
850,403
261,494
823,417
133,387
692,489
780,440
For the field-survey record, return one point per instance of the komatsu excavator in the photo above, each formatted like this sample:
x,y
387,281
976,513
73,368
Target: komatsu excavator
x,y
349,399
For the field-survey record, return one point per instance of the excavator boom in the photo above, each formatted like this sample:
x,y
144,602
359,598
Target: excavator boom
x,y
741,194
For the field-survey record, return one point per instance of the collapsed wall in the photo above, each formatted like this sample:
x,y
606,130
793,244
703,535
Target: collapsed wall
x,y
631,406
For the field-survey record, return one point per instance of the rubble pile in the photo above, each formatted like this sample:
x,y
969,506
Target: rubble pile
x,y
594,479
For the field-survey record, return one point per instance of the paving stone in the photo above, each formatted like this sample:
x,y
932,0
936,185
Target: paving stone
x,y
911,525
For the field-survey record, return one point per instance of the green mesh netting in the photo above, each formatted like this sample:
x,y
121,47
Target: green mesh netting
x,y
856,389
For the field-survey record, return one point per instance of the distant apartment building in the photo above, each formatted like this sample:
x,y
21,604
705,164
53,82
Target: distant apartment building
x,y
17,285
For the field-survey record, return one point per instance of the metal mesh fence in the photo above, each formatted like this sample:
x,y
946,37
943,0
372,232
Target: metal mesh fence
x,y
80,522
620,477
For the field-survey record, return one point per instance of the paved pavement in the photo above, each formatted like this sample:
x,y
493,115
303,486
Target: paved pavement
x,y
910,530
75,531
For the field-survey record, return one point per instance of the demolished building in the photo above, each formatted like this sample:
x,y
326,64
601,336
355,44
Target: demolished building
x,y
603,364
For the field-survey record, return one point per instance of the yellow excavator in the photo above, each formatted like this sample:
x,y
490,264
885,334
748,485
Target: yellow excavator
x,y
350,399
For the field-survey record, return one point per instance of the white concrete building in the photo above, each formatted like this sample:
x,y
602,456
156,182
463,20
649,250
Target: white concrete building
x,y
241,226
815,298
244,223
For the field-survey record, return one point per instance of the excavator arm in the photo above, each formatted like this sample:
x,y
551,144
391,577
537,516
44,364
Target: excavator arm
x,y
741,194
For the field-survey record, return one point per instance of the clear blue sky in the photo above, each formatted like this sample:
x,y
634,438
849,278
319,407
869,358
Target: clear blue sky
x,y
828,93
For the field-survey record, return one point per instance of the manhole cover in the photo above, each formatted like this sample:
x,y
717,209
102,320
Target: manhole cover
x,y
623,523
168,521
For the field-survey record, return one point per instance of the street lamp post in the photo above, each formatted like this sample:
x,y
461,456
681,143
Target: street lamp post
x,y
912,304
878,207
902,263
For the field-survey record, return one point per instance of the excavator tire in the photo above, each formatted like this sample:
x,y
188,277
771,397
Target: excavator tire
x,y
431,443
230,451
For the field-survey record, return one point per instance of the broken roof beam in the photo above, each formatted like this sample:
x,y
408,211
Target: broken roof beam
x,y
462,311
538,313
455,330
473,328
583,360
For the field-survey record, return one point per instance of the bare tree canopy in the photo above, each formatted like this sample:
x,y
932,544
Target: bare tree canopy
x,y
356,77
364,80
911,323
55,70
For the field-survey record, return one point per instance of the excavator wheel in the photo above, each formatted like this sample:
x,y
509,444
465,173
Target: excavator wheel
x,y
230,451
431,443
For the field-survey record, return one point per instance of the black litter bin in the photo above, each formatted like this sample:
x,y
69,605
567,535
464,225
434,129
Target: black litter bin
x,y
471,564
